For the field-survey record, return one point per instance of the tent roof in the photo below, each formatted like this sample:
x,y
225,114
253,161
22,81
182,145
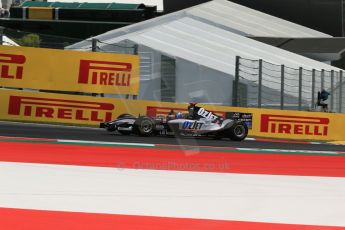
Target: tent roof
x,y
226,15
207,45
247,21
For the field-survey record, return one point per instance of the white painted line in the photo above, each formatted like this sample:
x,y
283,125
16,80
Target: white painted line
x,y
250,139
220,196
49,125
337,143
317,143
105,143
289,151
304,142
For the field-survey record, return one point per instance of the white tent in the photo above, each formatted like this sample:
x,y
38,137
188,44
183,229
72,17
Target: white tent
x,y
204,47
226,15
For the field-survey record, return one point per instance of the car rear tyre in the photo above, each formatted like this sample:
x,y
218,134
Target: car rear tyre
x,y
238,131
144,126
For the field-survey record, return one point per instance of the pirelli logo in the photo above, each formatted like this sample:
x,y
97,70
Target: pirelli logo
x,y
11,66
105,73
60,109
153,111
281,124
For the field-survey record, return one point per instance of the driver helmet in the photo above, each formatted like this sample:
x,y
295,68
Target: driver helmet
x,y
191,108
179,115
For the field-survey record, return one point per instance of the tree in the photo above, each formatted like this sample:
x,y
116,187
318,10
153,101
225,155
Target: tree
x,y
32,40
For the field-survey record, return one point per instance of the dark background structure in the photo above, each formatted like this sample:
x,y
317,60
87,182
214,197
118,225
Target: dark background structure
x,y
323,15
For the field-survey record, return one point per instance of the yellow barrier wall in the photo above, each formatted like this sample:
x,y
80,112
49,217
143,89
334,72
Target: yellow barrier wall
x,y
45,107
65,70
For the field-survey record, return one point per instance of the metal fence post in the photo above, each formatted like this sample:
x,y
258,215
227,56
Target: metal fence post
x,y
322,79
2,35
94,45
313,89
282,88
94,49
135,49
300,72
340,90
260,84
332,90
236,82
135,52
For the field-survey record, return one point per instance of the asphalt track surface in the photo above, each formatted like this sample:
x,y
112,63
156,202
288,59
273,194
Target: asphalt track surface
x,y
16,129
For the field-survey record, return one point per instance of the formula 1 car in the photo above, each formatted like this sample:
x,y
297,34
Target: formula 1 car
x,y
207,125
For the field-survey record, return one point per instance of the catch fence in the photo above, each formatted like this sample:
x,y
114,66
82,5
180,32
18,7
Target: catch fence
x,y
263,84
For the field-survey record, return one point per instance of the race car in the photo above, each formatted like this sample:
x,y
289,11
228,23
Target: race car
x,y
198,122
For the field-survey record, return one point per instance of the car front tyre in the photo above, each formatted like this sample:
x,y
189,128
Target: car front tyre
x,y
144,126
